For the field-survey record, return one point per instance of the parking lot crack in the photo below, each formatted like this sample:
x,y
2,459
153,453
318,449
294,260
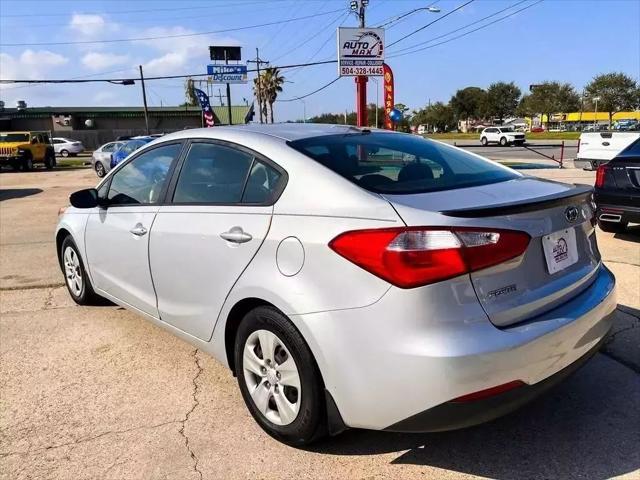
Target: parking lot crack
x,y
194,405
30,451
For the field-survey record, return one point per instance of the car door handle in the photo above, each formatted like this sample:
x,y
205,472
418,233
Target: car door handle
x,y
236,235
139,230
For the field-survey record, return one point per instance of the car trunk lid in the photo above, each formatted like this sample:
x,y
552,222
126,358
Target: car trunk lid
x,y
562,255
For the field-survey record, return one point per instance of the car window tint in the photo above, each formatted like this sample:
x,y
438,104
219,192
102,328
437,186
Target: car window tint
x,y
141,180
402,164
262,183
212,174
632,150
109,147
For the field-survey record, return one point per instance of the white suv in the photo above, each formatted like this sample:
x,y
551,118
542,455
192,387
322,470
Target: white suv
x,y
501,135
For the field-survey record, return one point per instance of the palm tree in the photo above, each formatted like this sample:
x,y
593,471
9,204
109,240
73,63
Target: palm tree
x,y
272,86
259,91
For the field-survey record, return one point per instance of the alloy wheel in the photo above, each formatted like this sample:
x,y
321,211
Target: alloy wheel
x,y
272,377
73,271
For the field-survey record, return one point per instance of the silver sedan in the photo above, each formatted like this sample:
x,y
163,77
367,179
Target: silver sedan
x,y
101,158
348,277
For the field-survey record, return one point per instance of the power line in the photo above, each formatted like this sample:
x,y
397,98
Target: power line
x,y
430,23
397,18
136,22
461,28
125,12
160,77
467,33
310,93
195,34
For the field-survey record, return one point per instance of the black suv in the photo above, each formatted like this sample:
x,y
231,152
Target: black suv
x,y
617,190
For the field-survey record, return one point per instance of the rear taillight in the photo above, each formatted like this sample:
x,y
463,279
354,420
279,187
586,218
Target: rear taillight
x,y
415,256
600,174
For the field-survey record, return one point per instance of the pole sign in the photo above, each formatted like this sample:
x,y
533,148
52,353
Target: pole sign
x,y
360,51
227,73
389,101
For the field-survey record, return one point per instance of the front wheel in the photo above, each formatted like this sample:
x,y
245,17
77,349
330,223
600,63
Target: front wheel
x,y
75,274
27,164
503,142
100,171
278,378
49,161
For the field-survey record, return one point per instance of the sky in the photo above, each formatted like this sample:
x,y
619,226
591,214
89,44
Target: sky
x,y
565,40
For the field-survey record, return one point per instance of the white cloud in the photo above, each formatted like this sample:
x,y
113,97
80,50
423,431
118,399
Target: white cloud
x,y
30,64
100,61
88,25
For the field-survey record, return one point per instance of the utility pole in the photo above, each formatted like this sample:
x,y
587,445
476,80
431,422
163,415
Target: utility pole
x,y
144,100
257,61
226,62
361,80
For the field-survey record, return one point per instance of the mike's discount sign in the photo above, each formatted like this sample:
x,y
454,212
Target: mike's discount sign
x,y
360,51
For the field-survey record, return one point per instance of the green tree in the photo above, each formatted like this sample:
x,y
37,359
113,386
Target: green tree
x,y
616,92
260,93
502,99
438,116
469,103
190,96
273,82
548,98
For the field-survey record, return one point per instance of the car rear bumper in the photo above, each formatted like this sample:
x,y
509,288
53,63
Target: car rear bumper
x,y
618,213
399,363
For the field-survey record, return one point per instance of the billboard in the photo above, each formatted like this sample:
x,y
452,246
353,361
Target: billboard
x,y
217,53
227,73
360,51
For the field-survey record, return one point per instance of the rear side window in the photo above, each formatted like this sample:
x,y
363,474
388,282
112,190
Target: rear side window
x,y
401,164
632,150
218,174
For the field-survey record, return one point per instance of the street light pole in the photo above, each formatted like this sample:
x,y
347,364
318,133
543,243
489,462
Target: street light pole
x,y
595,118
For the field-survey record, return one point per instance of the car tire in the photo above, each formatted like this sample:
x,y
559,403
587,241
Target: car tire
x,y
484,141
290,414
16,165
27,164
49,161
100,170
75,274
503,142
64,153
612,227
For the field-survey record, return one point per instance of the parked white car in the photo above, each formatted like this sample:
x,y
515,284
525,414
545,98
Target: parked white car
x,y
65,147
348,277
597,148
101,158
501,135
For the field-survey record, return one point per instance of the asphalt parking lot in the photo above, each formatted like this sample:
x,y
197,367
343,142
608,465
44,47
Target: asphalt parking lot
x,y
98,392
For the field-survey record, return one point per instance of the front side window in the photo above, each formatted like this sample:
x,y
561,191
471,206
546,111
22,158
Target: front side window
x,y
401,164
141,181
14,137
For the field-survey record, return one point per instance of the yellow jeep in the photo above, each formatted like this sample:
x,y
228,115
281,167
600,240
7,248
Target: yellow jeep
x,y
21,150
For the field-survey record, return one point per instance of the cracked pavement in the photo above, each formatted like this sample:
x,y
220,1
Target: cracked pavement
x,y
100,393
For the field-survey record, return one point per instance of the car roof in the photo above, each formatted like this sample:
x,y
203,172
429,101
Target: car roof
x,y
283,131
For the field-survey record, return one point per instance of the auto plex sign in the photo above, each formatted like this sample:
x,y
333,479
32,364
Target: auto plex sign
x,y
360,51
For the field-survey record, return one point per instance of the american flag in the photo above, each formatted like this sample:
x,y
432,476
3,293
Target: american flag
x,y
207,112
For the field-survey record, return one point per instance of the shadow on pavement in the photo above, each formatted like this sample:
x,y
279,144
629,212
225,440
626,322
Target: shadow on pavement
x,y
9,193
632,234
587,427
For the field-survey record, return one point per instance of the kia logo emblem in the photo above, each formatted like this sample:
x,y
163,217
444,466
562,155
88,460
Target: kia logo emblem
x,y
571,214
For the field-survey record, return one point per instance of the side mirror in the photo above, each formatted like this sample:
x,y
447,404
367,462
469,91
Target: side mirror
x,y
87,198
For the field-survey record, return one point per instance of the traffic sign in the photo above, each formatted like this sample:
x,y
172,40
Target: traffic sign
x,y
360,51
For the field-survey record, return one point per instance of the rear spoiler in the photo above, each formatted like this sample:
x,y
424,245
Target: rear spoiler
x,y
577,194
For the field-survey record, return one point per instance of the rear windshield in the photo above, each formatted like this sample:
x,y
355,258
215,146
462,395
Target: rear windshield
x,y
401,164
